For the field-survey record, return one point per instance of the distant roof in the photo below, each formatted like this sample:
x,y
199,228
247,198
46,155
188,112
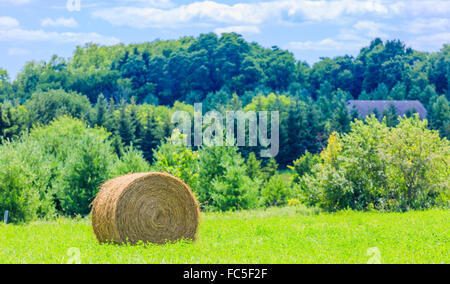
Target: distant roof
x,y
366,108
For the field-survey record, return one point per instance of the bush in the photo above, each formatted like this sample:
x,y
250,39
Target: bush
x,y
223,183
275,192
176,159
85,169
24,184
13,121
45,106
294,202
253,167
304,165
233,191
375,166
217,175
132,161
270,170
80,159
59,167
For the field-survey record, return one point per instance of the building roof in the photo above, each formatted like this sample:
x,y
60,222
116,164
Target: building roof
x,y
366,108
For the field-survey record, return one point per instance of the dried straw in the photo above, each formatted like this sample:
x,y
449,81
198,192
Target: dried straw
x,y
148,207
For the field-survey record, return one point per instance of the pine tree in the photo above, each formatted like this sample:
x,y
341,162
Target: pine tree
x,y
126,125
136,124
440,116
101,111
152,135
117,144
270,169
253,166
340,120
391,116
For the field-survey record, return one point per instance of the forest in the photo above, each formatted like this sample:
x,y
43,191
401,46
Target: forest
x,y
114,104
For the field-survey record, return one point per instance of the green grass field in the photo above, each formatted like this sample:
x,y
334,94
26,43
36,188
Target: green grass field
x,y
277,235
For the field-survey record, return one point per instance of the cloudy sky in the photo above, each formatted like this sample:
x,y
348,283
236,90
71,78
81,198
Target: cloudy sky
x,y
36,29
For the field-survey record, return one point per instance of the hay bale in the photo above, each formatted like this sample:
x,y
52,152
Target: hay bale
x,y
148,207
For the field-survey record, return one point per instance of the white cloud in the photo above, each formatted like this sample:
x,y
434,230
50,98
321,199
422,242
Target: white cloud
x,y
15,2
327,44
350,35
10,30
66,37
370,29
352,38
418,26
8,23
238,29
238,14
424,7
152,3
357,21
330,10
432,41
60,22
17,51
199,11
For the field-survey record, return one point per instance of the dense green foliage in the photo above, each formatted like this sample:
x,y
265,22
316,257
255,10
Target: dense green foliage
x,y
224,73
190,68
58,169
43,107
24,181
218,175
379,167
277,235
220,178
123,98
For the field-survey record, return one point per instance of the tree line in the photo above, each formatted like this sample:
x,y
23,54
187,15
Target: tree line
x,y
67,125
132,90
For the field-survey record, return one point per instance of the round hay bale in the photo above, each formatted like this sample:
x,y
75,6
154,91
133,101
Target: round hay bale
x,y
148,207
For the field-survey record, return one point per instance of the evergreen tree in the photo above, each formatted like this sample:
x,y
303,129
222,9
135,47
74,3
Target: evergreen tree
x,y
152,134
391,116
440,116
253,166
126,125
101,111
270,169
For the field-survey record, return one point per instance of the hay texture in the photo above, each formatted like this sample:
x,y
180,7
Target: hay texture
x,y
148,207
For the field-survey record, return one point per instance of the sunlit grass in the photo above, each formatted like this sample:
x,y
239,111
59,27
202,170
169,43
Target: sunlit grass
x,y
277,235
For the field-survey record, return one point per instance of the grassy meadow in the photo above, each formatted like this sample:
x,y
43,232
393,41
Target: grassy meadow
x,y
275,235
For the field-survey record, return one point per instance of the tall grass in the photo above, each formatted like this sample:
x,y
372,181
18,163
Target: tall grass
x,y
277,235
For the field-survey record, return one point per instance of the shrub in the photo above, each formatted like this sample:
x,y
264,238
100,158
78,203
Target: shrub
x,y
176,159
59,167
45,106
418,173
294,202
223,184
24,189
132,161
275,192
253,167
217,175
270,169
13,121
233,191
85,169
80,159
304,165
399,168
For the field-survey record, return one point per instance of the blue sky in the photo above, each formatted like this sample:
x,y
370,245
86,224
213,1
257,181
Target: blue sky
x,y
36,29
